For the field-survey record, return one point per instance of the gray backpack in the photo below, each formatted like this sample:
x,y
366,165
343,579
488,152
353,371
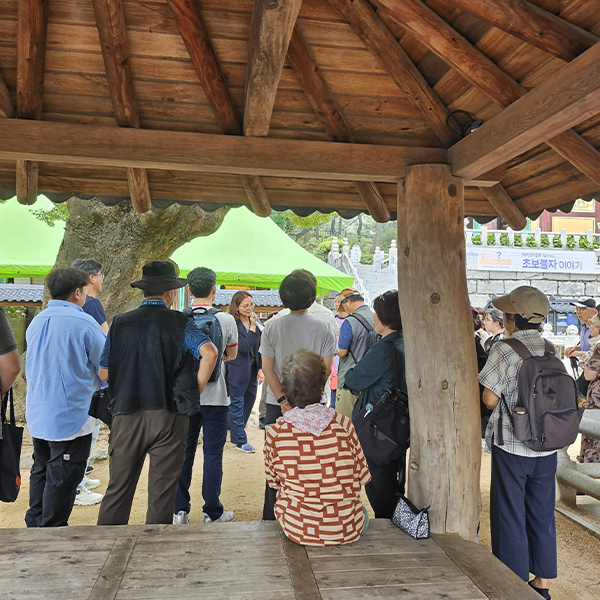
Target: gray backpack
x,y
547,416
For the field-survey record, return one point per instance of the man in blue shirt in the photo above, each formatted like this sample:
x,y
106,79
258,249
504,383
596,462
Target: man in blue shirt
x,y
63,356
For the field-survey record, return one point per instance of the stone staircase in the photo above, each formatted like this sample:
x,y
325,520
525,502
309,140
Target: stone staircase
x,y
377,282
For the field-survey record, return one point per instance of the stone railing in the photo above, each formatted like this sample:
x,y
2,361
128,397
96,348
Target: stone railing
x,y
510,238
343,262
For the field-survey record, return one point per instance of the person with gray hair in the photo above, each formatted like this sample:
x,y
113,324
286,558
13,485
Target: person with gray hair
x,y
93,306
494,325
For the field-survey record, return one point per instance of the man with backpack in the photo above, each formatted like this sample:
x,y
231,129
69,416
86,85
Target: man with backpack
x,y
357,335
213,411
534,403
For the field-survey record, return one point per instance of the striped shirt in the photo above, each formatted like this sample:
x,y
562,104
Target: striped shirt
x,y
500,375
318,482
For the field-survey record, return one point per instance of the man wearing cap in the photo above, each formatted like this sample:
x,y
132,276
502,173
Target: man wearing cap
x,y
356,337
142,355
523,528
585,308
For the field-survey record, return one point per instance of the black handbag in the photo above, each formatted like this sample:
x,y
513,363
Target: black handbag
x,y
100,406
412,520
11,440
384,429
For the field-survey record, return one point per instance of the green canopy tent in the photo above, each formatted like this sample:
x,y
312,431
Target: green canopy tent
x,y
28,246
250,251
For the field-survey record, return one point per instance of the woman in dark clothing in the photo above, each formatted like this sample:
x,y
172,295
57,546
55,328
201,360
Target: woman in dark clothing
x,y
368,379
245,372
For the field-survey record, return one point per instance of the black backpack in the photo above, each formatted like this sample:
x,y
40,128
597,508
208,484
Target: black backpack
x,y
547,415
185,387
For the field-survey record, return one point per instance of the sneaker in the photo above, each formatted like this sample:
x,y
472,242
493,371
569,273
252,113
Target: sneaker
x,y
224,518
91,484
86,498
261,423
181,518
88,470
247,448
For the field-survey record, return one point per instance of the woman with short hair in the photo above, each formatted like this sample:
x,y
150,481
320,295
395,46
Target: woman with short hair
x,y
314,460
494,325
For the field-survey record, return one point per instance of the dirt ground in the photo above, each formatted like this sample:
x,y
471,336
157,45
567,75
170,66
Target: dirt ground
x,y
243,488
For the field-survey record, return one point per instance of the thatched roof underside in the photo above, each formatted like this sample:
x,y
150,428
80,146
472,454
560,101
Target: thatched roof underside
x,y
153,83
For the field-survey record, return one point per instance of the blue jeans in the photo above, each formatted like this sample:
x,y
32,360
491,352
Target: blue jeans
x,y
242,402
213,419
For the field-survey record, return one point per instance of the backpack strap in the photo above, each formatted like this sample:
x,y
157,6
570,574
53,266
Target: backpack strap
x,y
397,382
518,346
368,327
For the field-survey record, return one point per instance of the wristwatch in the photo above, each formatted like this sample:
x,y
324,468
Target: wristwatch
x,y
281,399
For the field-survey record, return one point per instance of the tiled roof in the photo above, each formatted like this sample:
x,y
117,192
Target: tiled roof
x,y
21,293
261,297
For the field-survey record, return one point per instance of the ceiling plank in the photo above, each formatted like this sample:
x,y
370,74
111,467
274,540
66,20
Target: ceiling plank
x,y
567,98
110,19
32,21
498,197
534,25
323,102
208,153
450,46
557,195
198,44
7,108
270,32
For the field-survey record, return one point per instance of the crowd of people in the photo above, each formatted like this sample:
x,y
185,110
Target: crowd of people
x,y
320,369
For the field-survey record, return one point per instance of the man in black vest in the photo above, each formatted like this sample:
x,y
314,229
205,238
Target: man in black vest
x,y
142,356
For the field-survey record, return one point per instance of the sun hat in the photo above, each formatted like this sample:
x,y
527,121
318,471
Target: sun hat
x,y
158,277
526,301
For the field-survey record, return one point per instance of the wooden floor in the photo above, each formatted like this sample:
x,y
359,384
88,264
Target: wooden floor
x,y
246,560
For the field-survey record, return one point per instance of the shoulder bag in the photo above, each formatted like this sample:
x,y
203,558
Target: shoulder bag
x,y
11,440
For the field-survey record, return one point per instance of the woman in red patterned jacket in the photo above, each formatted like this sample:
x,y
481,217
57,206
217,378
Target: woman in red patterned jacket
x,y
314,460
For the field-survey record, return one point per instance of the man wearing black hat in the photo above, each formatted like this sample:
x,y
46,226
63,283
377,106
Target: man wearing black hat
x,y
585,308
142,356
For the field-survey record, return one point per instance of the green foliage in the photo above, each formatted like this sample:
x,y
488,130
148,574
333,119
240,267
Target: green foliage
x,y
59,213
570,242
556,243
518,240
491,239
530,242
476,239
312,221
545,242
504,239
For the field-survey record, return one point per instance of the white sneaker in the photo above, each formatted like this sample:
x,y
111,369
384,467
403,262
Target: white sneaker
x,y
227,516
86,498
181,518
91,484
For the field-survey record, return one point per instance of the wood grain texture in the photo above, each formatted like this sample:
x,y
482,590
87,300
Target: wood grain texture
x,y
129,147
505,206
323,102
257,195
7,108
561,102
108,583
301,573
534,25
270,32
110,19
442,386
27,181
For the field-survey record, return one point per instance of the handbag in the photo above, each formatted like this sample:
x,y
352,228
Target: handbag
x,y
384,429
11,440
100,406
412,520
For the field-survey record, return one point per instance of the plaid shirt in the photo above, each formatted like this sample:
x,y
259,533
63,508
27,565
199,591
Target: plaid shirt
x,y
500,375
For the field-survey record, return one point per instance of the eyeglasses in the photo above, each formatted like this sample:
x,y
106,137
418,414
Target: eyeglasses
x,y
97,275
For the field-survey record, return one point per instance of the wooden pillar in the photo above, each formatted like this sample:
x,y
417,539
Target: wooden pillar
x,y
441,369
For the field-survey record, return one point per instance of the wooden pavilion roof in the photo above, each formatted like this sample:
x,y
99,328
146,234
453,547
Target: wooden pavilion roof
x,y
323,103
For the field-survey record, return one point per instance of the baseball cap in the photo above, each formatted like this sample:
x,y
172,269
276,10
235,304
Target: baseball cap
x,y
526,301
584,303
351,294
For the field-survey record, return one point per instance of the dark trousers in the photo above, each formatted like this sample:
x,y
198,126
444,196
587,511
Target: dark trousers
x,y
273,413
57,469
387,483
242,401
522,519
213,420
156,433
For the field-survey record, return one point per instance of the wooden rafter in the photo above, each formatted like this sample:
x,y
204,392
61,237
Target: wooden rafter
x,y
199,47
555,196
564,100
455,50
92,145
321,98
7,108
498,197
270,32
383,45
533,25
31,59
110,19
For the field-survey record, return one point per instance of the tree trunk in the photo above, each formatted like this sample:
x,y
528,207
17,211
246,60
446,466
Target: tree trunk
x,y
360,227
123,240
441,368
377,238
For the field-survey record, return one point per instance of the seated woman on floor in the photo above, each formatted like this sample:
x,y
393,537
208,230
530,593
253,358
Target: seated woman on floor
x,y
314,460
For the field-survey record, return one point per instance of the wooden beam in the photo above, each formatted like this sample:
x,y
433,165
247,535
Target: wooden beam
x,y
208,153
569,97
197,41
110,19
556,195
323,102
31,58
498,197
489,179
270,32
450,46
432,286
7,108
534,25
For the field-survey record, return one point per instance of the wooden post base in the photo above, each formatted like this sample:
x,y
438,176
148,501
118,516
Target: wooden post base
x,y
441,369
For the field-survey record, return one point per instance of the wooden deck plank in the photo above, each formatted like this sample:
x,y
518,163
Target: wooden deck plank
x,y
427,591
109,580
301,572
